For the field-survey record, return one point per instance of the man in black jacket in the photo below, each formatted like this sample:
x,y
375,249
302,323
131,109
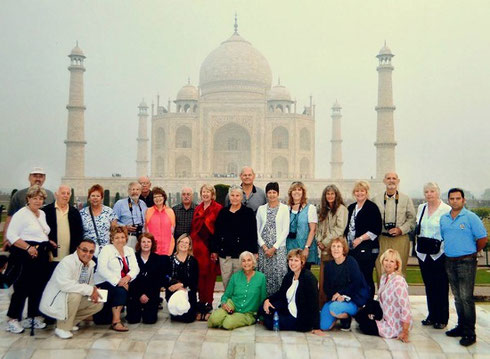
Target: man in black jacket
x,y
65,223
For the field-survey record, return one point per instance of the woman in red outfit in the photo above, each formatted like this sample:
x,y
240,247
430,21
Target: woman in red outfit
x,y
202,229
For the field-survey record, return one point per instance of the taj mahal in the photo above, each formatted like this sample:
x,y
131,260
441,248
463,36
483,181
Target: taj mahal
x,y
235,117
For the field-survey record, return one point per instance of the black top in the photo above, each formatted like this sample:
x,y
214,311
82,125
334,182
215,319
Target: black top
x,y
308,316
151,277
148,199
186,272
346,279
74,222
234,232
183,219
368,219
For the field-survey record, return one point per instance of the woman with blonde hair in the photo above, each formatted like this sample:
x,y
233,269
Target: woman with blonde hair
x,y
296,301
183,279
364,227
430,253
29,260
303,220
202,229
117,266
393,318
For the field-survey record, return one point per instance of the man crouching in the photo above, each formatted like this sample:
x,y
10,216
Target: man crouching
x,y
70,295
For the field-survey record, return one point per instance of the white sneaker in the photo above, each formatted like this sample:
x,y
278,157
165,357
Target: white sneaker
x,y
13,326
62,334
38,323
75,328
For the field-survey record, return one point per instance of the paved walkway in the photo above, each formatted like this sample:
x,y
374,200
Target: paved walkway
x,y
175,340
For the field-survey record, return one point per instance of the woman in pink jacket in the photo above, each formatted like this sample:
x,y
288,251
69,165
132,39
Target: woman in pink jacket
x,y
160,221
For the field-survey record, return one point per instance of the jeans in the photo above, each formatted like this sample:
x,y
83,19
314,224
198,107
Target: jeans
x,y
436,288
327,319
461,274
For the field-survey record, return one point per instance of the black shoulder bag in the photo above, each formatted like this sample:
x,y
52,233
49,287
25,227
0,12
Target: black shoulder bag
x,y
426,245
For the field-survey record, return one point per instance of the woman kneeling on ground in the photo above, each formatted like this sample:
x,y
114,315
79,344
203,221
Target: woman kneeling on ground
x,y
344,285
296,302
242,298
116,268
394,319
144,292
181,289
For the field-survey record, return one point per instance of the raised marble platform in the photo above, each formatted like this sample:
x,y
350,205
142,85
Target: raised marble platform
x,y
175,340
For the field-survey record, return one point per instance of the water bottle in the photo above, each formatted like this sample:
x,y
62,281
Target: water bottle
x,y
275,322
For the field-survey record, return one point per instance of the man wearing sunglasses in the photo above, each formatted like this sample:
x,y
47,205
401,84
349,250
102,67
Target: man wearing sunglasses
x,y
70,295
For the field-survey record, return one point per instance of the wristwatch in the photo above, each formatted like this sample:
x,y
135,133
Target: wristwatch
x,y
307,246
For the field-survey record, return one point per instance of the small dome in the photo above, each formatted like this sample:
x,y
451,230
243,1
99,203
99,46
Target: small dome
x,y
279,93
385,50
77,51
143,104
336,105
188,92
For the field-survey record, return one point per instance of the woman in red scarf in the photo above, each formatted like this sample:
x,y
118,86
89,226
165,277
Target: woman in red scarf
x,y
202,229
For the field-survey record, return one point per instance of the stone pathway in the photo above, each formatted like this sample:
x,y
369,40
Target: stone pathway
x,y
175,340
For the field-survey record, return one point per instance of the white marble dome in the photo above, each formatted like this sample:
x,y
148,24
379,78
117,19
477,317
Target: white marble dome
x,y
279,93
188,92
76,51
235,66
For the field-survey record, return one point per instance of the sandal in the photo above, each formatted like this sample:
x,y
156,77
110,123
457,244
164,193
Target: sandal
x,y
119,327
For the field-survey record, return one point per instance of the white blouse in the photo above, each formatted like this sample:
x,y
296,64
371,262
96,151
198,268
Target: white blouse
x,y
26,226
291,298
109,265
430,227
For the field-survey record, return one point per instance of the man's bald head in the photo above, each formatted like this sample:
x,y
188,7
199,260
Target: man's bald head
x,y
63,195
145,183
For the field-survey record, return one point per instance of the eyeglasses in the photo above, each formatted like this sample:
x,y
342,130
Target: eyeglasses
x,y
85,250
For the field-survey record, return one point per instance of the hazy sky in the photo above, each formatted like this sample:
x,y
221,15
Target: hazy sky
x,y
136,49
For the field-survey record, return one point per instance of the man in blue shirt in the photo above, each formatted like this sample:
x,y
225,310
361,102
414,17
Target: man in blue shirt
x,y
464,235
131,212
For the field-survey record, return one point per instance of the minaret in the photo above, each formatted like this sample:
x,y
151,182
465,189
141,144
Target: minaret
x,y
75,137
385,135
142,154
336,162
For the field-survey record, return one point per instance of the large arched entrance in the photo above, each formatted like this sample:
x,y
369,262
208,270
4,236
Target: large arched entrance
x,y
231,150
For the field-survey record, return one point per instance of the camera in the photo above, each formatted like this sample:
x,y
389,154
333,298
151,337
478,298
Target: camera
x,y
390,225
292,235
139,230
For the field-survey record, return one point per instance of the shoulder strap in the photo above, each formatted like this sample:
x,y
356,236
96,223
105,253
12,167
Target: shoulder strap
x,y
95,226
419,225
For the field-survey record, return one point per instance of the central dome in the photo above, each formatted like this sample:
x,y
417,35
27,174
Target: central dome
x,y
235,66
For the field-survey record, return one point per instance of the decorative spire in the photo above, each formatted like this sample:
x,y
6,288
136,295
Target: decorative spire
x,y
188,80
236,24
77,43
279,80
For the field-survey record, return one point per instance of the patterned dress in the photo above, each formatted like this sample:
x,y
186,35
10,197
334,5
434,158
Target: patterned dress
x,y
102,221
393,298
274,268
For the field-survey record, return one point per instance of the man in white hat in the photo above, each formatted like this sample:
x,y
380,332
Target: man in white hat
x,y
18,200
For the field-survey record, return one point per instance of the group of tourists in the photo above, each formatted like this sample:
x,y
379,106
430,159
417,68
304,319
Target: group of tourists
x,y
73,265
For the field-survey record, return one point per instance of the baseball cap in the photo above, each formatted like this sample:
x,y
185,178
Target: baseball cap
x,y
37,171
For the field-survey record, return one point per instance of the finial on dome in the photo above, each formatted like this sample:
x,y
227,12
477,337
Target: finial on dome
x,y
236,24
279,80
77,42
188,80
